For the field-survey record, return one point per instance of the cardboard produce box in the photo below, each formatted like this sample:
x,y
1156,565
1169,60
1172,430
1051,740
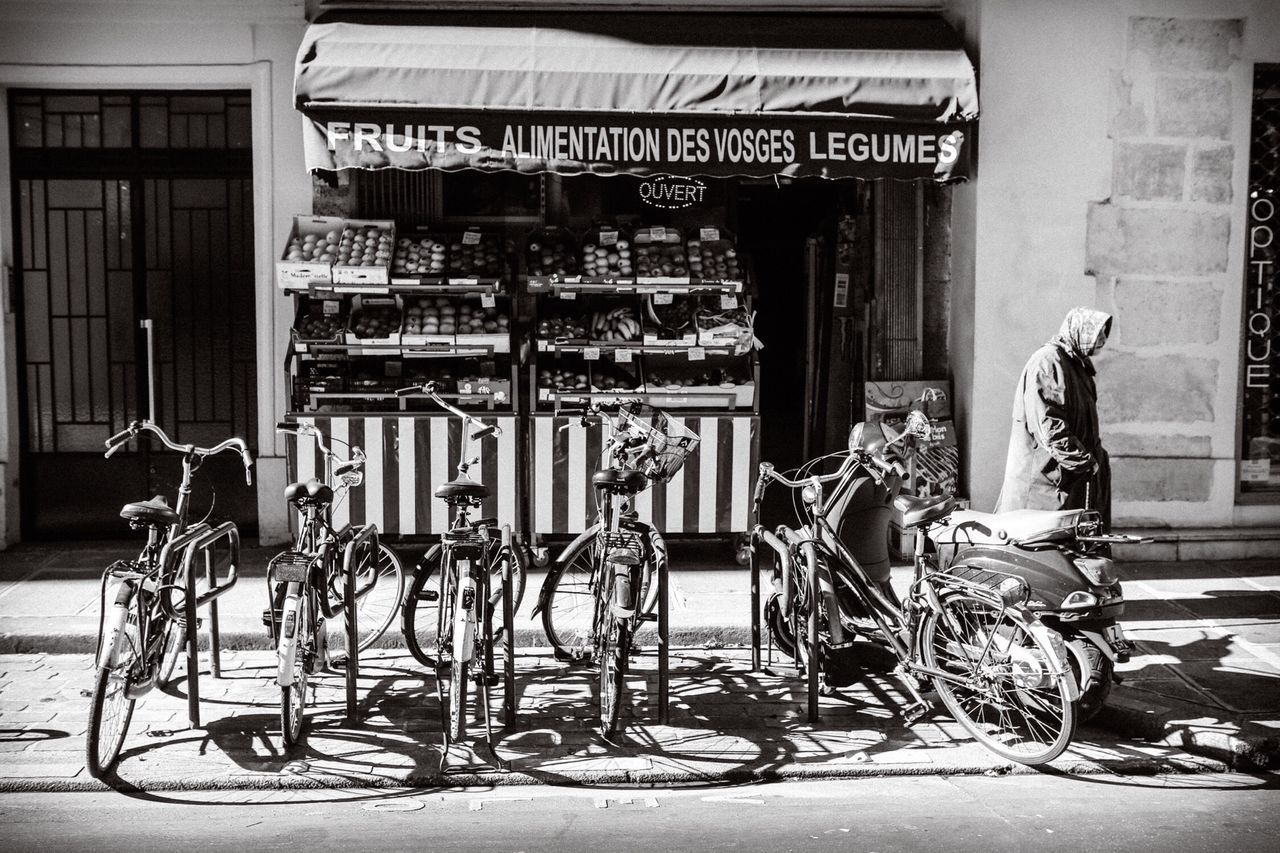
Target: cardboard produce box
x,y
309,252
366,259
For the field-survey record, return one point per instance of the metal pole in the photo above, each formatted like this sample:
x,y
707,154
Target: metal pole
x,y
664,647
151,369
215,646
754,559
193,640
508,629
353,639
813,641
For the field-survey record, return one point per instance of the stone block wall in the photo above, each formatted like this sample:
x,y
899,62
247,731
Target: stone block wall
x,y
1161,250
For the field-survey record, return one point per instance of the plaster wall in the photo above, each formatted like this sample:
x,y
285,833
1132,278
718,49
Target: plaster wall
x,y
188,44
1112,169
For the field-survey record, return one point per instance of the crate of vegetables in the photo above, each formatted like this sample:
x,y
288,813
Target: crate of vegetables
x,y
318,322
309,254
483,326
374,326
551,257
364,253
713,257
606,256
660,256
429,324
565,381
616,381
724,327
669,320
565,324
716,383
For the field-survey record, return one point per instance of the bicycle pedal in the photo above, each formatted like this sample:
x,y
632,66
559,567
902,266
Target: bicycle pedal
x,y
913,713
648,617
429,595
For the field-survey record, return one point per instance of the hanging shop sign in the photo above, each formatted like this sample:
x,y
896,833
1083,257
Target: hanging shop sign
x,y
1260,441
650,145
671,193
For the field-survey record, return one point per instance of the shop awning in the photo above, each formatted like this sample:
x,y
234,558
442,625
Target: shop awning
x,y
683,94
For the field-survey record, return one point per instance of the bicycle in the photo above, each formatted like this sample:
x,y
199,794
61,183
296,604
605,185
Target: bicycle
x,y
601,586
999,671
305,582
447,615
144,632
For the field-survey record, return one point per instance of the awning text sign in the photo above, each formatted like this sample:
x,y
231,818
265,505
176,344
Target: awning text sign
x,y
671,144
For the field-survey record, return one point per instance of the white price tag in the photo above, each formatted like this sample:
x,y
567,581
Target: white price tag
x,y
591,353
608,238
728,300
622,356
1255,470
658,234
332,306
471,238
568,294
662,298
841,298
487,300
706,235
697,354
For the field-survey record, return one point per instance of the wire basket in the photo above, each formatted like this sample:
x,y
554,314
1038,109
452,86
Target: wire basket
x,y
668,444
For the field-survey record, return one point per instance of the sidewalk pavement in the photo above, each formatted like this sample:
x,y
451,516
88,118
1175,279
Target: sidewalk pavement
x,y
1203,693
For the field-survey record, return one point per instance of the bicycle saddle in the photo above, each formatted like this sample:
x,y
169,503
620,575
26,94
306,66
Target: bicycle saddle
x,y
462,488
627,480
154,511
916,511
969,527
312,491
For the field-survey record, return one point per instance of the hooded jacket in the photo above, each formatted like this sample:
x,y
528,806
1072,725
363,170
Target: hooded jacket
x,y
1056,459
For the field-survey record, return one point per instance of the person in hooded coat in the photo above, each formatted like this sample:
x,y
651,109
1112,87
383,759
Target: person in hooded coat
x,y
1056,459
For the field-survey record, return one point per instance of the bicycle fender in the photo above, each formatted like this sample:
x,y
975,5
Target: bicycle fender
x,y
287,651
113,635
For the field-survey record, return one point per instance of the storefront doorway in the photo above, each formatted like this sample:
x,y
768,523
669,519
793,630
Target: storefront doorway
x,y
131,206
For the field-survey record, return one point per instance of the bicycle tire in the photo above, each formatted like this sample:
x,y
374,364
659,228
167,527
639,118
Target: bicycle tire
x,y
1016,707
458,674
568,594
175,640
377,609
420,617
110,701
293,697
519,577
615,652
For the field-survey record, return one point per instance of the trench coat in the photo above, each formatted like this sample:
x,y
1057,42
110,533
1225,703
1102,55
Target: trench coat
x,y
1056,459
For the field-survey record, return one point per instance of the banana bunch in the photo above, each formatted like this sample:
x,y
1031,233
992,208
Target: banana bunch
x,y
616,325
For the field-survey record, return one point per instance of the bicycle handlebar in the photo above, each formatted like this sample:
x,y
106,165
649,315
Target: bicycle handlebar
x,y
237,444
431,389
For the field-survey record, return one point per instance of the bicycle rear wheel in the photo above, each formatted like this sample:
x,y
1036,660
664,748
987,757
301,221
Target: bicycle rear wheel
x,y
458,676
615,651
1009,697
420,614
376,609
111,707
293,697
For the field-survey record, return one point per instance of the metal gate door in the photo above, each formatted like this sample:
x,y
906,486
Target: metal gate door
x,y
131,206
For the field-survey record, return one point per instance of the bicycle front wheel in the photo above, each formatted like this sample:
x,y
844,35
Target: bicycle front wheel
x,y
111,707
1006,693
377,608
458,674
615,651
293,696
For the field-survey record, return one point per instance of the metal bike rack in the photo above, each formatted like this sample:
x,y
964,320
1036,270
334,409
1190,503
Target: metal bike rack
x,y
201,539
760,536
664,648
366,534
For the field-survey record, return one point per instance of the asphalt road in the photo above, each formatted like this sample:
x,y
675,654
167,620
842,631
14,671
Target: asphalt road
x,y
1203,812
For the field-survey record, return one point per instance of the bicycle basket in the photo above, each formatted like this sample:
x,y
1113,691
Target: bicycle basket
x,y
669,445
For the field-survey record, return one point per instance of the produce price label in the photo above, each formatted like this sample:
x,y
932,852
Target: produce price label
x,y
332,306
658,234
471,238
697,354
591,353
728,300
622,356
608,238
662,299
487,300
568,294
707,235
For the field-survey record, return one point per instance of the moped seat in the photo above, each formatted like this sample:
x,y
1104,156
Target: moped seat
x,y
627,480
462,488
154,511
311,491
969,527
916,511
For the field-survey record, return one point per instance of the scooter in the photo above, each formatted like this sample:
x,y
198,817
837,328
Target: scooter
x,y
1063,556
